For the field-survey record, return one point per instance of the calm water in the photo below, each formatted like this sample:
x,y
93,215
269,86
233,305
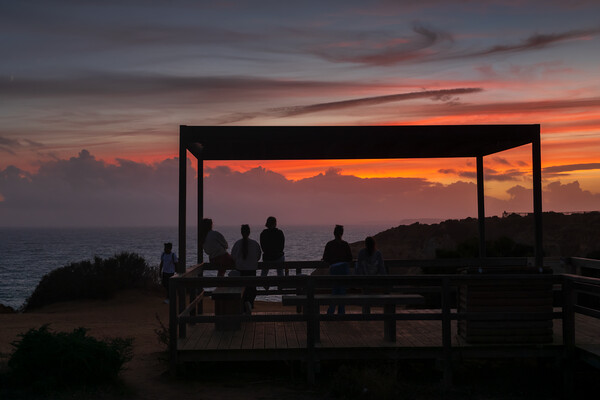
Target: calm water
x,y
28,254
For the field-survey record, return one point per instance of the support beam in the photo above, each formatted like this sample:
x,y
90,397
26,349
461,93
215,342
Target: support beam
x,y
481,207
536,158
200,207
182,203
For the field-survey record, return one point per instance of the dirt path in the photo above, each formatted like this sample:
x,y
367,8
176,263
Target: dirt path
x,y
134,314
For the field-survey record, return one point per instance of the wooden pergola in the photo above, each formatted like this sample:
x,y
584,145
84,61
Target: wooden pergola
x,y
356,142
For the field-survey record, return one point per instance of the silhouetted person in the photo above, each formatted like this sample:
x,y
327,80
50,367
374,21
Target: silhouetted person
x,y
246,253
339,256
370,262
215,246
168,266
272,242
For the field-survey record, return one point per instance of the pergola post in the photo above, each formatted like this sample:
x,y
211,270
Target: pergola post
x,y
182,202
200,207
481,207
537,199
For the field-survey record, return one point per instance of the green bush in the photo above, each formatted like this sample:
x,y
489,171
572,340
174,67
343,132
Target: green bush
x,y
46,361
92,280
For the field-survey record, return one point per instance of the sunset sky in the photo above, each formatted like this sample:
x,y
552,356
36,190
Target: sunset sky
x,y
92,95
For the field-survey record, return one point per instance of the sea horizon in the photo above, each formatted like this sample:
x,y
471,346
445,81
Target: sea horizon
x,y
30,252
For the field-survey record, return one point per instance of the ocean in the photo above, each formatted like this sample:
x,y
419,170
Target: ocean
x,y
27,254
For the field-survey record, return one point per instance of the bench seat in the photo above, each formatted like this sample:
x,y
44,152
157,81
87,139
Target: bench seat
x,y
388,301
228,301
355,299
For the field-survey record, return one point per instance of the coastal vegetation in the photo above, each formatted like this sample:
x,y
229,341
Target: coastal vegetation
x,y
46,361
97,279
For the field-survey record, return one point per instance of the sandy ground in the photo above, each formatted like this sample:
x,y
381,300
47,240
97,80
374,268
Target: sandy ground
x,y
134,314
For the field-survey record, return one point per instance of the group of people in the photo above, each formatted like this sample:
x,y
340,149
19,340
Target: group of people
x,y
246,253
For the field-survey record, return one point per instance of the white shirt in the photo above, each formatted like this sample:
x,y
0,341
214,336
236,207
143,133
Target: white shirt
x,y
215,244
168,262
251,261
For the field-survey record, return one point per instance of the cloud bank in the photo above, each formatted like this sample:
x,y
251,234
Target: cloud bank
x,y
85,191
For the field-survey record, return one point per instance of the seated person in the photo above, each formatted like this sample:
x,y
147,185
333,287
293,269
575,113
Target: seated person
x,y
215,246
339,256
370,262
272,242
246,253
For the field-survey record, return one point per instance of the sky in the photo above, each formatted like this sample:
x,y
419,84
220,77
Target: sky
x,y
92,94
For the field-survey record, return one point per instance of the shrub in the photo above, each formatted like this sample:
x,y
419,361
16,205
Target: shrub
x,y
501,247
364,382
162,333
92,280
45,360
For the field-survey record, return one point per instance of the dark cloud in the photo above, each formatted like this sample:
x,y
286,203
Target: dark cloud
x,y
534,42
501,160
441,95
491,174
85,191
386,49
448,171
570,197
444,95
114,84
430,45
11,146
571,167
520,107
86,28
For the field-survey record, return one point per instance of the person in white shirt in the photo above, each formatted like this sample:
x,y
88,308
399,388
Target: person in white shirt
x,y
215,245
168,266
246,253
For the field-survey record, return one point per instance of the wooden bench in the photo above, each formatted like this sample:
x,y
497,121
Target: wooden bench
x,y
388,301
228,301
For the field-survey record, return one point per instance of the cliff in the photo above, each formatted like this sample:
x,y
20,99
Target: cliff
x,y
576,235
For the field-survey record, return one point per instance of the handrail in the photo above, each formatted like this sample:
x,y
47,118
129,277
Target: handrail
x,y
582,279
406,263
194,270
193,304
578,265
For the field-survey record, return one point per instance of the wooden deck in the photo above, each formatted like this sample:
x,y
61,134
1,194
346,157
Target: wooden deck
x,y
507,330
357,339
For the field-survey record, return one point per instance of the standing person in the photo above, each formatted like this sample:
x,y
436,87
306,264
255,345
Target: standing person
x,y
339,256
370,262
272,242
215,246
246,253
168,266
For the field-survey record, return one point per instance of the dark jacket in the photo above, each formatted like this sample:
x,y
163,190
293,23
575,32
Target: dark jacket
x,y
272,243
337,251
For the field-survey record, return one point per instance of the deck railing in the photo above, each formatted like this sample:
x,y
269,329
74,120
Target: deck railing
x,y
582,266
187,292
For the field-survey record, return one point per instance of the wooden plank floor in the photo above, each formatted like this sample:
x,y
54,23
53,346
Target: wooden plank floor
x,y
349,334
